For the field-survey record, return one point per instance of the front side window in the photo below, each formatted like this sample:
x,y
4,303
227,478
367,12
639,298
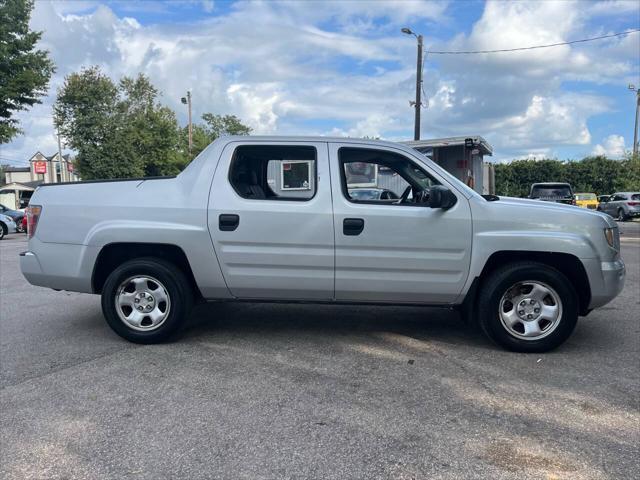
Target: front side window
x,y
383,177
274,172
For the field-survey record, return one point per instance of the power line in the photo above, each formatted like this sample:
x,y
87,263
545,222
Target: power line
x,y
583,40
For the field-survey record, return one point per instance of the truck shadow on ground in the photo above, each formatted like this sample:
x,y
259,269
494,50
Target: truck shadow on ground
x,y
425,323
275,319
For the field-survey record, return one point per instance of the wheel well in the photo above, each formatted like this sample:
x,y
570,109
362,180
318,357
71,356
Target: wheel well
x,y
3,227
115,254
567,264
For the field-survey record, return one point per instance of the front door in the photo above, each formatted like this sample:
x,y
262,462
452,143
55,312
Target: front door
x,y
390,247
271,221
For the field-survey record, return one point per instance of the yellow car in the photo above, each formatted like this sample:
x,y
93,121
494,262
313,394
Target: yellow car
x,y
587,200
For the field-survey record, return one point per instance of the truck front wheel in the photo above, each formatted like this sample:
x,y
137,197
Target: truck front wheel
x,y
527,307
146,300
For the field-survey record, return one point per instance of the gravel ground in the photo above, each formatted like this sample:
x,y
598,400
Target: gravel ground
x,y
294,391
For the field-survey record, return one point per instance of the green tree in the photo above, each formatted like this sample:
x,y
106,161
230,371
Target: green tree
x,y
600,175
214,126
24,70
119,131
220,125
630,167
151,127
86,115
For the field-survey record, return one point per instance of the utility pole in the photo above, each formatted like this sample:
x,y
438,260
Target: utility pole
x,y
418,106
418,103
63,166
635,127
187,101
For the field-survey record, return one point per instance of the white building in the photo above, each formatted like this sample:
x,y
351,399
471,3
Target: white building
x,y
19,183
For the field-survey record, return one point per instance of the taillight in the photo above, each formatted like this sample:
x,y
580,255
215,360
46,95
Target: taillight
x,y
633,204
33,215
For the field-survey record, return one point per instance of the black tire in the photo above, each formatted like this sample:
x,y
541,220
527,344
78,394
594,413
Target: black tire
x,y
174,282
501,281
621,215
3,230
19,228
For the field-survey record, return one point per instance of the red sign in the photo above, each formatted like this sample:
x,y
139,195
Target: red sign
x,y
69,167
40,167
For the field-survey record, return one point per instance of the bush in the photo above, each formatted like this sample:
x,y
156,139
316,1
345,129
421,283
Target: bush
x,y
599,175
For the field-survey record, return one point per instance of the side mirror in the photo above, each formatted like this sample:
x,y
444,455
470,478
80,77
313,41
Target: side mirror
x,y
441,197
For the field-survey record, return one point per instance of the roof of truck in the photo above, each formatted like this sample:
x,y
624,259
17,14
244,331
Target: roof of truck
x,y
302,138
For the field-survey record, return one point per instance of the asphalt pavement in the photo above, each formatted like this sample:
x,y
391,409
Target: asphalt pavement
x,y
314,392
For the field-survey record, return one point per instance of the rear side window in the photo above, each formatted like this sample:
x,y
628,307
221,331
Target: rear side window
x,y
274,172
551,191
585,196
635,196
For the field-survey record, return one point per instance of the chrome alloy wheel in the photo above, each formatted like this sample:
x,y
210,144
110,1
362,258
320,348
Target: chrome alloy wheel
x,y
530,310
142,303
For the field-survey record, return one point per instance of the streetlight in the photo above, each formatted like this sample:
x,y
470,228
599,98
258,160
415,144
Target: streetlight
x,y
187,101
635,128
418,103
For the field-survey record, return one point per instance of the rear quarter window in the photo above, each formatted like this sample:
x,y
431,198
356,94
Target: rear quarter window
x,y
551,191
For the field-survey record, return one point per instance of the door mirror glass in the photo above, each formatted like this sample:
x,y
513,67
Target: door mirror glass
x,y
441,197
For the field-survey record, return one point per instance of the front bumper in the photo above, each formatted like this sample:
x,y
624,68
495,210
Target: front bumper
x,y
606,280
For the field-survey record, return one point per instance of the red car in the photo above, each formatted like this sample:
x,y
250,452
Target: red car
x,y
24,224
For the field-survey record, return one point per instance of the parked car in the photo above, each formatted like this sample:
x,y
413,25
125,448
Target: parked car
x,y
587,200
524,270
23,224
552,192
7,225
622,206
602,199
16,215
372,194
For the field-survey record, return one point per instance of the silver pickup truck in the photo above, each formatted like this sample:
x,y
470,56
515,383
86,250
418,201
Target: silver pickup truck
x,y
280,219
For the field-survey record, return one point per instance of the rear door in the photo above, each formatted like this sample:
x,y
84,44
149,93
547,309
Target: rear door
x,y
613,204
395,252
271,220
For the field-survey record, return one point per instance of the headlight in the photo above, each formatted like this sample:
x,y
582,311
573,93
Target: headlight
x,y
611,234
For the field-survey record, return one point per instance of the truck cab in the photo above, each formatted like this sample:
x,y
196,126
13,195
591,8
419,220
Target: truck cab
x,y
280,219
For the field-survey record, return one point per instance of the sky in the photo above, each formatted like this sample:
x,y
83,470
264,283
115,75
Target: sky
x,y
344,68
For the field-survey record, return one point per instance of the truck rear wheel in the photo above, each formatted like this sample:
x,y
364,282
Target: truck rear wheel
x,y
527,307
146,300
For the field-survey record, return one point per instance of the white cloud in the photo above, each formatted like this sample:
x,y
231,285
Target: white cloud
x,y
279,67
612,146
208,5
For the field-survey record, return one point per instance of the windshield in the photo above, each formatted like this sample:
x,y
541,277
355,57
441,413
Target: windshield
x,y
585,196
550,191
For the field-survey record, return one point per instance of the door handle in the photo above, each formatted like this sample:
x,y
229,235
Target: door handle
x,y
228,222
352,226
